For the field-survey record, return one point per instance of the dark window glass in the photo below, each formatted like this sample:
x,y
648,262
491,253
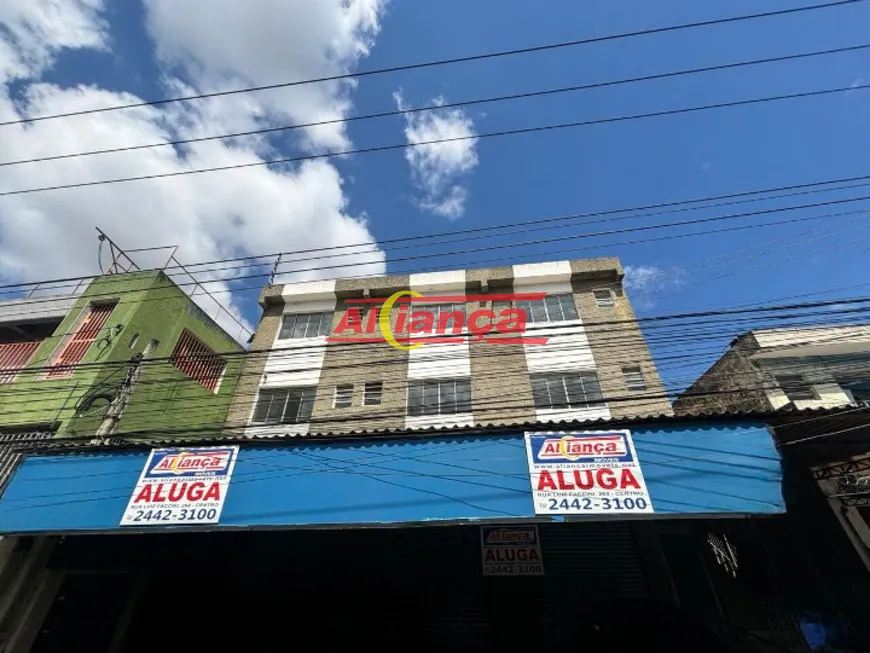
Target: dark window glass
x,y
439,397
305,325
566,390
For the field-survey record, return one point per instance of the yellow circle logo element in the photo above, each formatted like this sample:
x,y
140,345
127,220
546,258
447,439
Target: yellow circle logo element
x,y
384,319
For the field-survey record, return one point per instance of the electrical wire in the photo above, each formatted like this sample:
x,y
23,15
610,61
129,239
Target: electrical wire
x,y
444,62
438,141
441,107
677,206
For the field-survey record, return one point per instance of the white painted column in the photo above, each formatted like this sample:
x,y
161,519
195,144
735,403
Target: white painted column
x,y
439,360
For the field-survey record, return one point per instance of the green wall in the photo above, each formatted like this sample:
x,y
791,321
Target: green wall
x,y
164,402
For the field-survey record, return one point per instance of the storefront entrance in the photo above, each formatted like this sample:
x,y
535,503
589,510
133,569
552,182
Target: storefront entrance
x,y
394,589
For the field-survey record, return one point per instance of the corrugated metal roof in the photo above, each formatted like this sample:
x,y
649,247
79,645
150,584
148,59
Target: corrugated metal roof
x,y
781,417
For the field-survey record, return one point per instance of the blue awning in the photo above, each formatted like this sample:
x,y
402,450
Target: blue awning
x,y
690,470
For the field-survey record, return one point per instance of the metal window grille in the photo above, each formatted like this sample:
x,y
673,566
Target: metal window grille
x,y
633,377
14,357
604,298
305,325
77,344
572,390
10,455
439,397
373,393
284,405
196,360
343,396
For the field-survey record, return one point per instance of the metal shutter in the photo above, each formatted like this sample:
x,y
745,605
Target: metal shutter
x,y
75,348
13,357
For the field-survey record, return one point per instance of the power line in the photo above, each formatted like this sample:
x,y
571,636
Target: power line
x,y
444,62
438,141
616,342
503,246
675,206
438,107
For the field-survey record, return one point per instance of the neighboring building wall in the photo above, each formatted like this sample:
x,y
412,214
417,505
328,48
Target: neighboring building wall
x,y
165,398
34,398
731,383
750,375
147,305
815,376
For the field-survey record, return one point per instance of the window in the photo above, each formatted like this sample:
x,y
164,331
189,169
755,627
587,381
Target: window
x,y
196,360
444,397
568,390
284,405
796,387
305,325
372,393
14,356
603,297
79,340
553,308
633,378
343,396
447,310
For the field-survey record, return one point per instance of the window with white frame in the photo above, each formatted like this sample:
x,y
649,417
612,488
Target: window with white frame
x,y
284,405
633,377
796,387
552,308
565,390
454,314
305,325
373,393
439,397
603,298
343,395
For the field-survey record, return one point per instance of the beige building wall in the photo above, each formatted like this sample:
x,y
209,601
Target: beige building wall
x,y
255,363
361,363
500,389
500,385
616,340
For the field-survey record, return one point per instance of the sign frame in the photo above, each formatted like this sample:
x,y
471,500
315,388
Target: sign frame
x,y
181,486
586,473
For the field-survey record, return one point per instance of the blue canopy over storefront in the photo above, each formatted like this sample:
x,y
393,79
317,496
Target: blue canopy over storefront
x,y
692,470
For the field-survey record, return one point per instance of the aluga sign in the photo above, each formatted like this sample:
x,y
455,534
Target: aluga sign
x,y
585,473
181,486
418,324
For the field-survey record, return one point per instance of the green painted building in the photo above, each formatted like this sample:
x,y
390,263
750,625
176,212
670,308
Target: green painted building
x,y
133,347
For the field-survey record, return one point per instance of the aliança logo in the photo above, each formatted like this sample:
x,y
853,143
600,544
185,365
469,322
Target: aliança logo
x,y
421,320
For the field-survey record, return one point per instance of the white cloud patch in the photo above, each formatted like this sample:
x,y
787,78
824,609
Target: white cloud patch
x,y
854,86
644,281
440,170
210,216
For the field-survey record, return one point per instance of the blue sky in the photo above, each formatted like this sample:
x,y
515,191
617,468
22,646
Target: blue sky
x,y
148,50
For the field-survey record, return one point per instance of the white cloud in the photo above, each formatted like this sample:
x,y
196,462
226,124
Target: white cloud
x,y
265,42
241,212
643,281
439,170
854,86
